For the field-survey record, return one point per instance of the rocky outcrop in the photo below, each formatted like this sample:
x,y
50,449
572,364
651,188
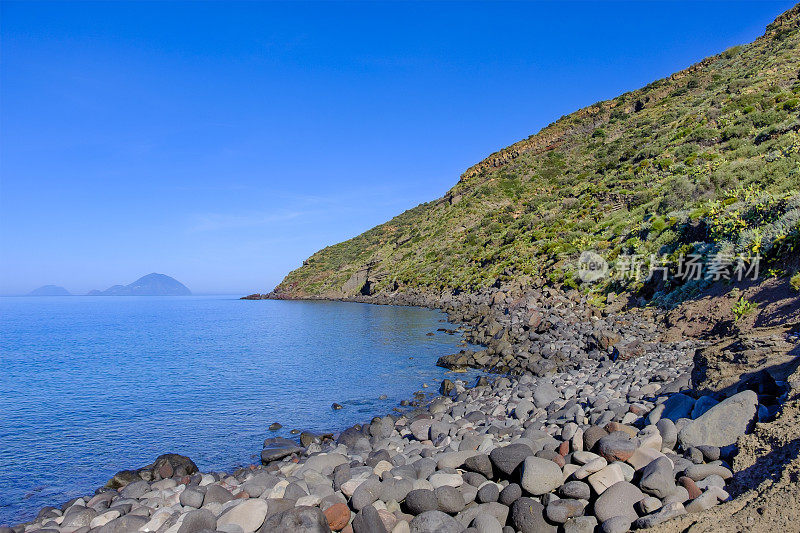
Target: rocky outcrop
x,y
358,284
165,466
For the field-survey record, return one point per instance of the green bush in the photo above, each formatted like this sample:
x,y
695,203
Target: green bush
x,y
743,308
794,281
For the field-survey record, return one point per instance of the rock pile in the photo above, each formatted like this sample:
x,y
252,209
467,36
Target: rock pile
x,y
531,327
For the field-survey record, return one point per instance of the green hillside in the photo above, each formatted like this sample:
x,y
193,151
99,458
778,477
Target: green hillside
x,y
705,160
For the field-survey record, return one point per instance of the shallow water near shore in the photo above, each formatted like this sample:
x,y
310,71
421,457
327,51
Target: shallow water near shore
x,y
93,385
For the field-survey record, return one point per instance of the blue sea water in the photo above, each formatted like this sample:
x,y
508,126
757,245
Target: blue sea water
x,y
93,385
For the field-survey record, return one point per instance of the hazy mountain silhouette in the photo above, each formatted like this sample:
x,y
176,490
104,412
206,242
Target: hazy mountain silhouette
x,y
149,285
50,290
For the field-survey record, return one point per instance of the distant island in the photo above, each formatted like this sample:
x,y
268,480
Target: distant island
x,y
50,290
149,285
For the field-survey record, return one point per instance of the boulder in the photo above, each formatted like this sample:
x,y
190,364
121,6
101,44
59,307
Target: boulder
x,y
677,406
723,424
544,394
338,516
618,500
506,459
368,521
527,516
199,520
540,476
617,446
277,448
248,515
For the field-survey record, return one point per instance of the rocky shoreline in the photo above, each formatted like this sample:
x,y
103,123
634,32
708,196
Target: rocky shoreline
x,y
593,424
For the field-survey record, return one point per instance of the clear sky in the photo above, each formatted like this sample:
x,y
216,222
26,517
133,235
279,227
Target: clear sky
x,y
222,143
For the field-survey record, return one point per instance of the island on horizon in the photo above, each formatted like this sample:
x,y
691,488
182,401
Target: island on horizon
x,y
50,290
150,285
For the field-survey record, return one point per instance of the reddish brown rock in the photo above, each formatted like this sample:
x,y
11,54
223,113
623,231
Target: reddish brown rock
x,y
563,449
637,410
338,516
165,470
690,486
617,446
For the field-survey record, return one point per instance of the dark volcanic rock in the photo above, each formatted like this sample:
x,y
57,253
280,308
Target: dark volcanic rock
x,y
527,515
506,459
278,448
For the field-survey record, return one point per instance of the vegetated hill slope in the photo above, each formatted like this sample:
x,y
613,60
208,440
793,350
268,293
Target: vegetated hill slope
x,y
706,160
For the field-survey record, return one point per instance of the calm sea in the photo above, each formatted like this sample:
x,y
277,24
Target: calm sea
x,y
93,385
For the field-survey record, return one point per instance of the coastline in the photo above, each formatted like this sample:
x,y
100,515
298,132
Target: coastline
x,y
600,420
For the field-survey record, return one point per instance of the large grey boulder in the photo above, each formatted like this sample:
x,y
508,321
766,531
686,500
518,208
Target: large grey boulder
x,y
723,424
506,459
248,515
658,478
277,448
540,476
199,520
678,406
618,500
544,394
527,515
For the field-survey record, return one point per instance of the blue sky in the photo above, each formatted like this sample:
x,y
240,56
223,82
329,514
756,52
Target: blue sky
x,y
223,143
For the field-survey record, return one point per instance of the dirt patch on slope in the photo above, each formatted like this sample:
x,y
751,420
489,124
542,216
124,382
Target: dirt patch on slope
x,y
712,315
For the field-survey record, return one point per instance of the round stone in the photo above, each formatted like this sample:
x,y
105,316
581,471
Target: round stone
x,y
449,499
198,520
192,497
488,493
510,494
248,515
527,515
338,516
506,459
540,476
560,511
618,500
419,501
617,446
575,489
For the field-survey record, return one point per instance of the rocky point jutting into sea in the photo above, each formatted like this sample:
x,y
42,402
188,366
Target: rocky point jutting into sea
x,y
662,404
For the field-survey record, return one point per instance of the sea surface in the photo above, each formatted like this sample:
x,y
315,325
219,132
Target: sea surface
x,y
93,385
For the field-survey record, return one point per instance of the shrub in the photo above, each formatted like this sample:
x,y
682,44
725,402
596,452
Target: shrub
x,y
795,281
743,308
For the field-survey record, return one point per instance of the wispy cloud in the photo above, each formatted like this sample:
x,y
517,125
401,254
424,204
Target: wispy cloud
x,y
381,197
222,221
